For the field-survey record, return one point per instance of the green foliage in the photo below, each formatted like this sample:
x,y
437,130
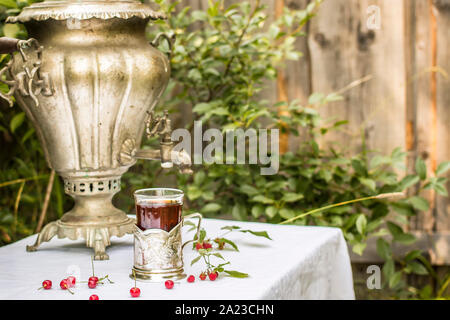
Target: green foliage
x,y
221,62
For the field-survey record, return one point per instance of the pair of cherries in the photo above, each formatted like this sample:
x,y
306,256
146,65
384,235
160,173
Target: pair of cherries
x,y
136,292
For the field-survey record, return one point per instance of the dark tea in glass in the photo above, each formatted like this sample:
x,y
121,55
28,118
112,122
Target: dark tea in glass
x,y
158,208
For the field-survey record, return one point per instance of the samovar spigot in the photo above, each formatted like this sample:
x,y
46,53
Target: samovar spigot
x,y
157,126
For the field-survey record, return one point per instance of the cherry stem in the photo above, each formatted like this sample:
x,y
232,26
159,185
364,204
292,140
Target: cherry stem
x,y
92,263
105,278
134,275
40,288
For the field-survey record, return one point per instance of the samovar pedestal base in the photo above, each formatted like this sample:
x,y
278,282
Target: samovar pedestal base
x,y
157,275
97,237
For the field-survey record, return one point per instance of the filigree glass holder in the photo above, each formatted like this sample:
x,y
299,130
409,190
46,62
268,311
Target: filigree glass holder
x,y
158,253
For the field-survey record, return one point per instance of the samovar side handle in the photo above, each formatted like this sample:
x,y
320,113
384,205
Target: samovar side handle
x,y
170,41
29,82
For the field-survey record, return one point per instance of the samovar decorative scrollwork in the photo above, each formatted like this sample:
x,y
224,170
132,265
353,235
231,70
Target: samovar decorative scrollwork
x,y
30,81
94,81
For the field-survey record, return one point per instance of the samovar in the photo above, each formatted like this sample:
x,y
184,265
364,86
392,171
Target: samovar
x,y
89,80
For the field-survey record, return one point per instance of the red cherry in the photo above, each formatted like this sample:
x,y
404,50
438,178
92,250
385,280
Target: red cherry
x,y
169,284
207,245
47,285
71,281
64,284
191,278
93,297
95,279
202,276
92,284
213,276
135,292
198,246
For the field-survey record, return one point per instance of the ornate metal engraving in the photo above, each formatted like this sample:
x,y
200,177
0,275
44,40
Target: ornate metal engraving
x,y
30,82
158,254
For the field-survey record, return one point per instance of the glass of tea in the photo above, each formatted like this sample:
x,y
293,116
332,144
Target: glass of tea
x,y
158,208
158,247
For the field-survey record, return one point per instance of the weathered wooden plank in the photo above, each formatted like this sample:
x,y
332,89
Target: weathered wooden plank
x,y
443,105
344,50
298,73
421,107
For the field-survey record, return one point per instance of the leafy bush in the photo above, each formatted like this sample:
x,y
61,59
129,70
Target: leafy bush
x,y
219,69
221,62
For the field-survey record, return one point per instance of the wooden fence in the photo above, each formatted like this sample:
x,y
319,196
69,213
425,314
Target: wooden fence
x,y
403,47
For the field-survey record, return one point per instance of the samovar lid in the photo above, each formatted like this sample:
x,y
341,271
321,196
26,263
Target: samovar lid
x,y
86,9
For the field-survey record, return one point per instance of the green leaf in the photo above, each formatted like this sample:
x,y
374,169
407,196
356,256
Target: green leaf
x,y
316,98
211,207
271,212
257,233
359,167
199,178
236,274
231,228
359,248
414,254
405,238
419,203
441,189
292,197
16,121
239,212
249,190
389,268
195,260
421,169
394,280
286,213
231,243
394,229
11,30
383,249
408,181
417,268
202,235
218,255
403,208
263,199
193,192
203,107
369,183
361,224
257,211
8,3
190,223
443,168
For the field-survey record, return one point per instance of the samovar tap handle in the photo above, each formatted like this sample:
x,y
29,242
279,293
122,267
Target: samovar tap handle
x,y
161,126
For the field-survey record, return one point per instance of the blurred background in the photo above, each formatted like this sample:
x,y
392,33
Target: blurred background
x,y
361,92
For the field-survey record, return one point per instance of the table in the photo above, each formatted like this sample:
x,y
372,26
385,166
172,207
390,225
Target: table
x,y
299,263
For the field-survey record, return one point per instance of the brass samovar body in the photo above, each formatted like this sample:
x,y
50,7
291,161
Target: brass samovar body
x,y
87,79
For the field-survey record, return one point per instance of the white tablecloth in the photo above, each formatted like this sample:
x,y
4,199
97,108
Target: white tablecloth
x,y
300,263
